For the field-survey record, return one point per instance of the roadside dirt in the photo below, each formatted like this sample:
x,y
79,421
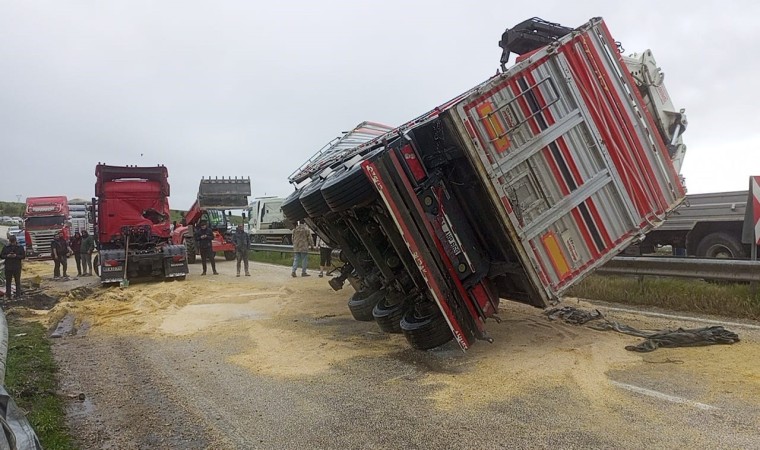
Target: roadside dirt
x,y
270,361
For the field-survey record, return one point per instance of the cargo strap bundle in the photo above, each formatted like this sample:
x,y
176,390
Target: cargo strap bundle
x,y
681,337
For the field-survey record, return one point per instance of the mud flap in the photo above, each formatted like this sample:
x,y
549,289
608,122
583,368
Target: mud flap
x,y
175,261
111,266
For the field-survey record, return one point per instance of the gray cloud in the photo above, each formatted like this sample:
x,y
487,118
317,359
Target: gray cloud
x,y
253,89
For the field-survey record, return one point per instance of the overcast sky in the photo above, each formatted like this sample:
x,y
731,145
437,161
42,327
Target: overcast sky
x,y
250,88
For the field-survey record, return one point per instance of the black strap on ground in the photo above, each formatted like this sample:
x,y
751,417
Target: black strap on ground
x,y
693,337
575,316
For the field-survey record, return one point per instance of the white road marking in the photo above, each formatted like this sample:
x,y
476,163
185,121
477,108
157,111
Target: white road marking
x,y
692,319
662,396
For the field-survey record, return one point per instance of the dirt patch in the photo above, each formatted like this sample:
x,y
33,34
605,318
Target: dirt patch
x,y
296,336
33,300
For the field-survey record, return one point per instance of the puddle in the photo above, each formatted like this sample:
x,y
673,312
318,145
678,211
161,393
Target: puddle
x,y
194,318
80,409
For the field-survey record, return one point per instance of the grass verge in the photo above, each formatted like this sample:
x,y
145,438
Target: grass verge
x,y
730,299
30,380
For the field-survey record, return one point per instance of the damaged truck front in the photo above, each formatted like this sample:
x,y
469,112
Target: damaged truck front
x,y
132,225
516,189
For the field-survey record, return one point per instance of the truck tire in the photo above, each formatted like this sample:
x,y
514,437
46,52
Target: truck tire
x,y
389,311
350,188
96,265
292,208
229,255
313,202
362,304
720,245
190,249
425,330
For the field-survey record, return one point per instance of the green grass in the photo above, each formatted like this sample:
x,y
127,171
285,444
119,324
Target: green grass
x,y
30,380
730,299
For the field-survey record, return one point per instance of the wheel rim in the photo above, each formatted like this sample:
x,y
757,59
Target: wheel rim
x,y
720,252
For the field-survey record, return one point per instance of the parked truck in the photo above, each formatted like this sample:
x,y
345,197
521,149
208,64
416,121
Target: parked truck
x,y
516,189
705,225
267,223
43,218
215,198
81,219
133,226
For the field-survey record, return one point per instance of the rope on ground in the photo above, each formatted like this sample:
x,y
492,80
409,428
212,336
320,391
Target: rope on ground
x,y
680,337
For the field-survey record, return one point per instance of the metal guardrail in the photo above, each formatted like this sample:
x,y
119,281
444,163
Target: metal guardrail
x,y
286,249
712,269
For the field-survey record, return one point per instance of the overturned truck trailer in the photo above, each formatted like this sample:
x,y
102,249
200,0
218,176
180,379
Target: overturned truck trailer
x,y
516,189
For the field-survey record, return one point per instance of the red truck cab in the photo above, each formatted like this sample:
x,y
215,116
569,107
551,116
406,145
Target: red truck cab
x,y
43,219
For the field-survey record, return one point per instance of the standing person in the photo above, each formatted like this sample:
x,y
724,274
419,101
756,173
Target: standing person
x,y
325,257
12,254
242,241
75,243
60,251
86,249
204,237
301,245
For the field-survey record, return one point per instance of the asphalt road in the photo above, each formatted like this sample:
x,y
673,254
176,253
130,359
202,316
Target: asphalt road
x,y
272,362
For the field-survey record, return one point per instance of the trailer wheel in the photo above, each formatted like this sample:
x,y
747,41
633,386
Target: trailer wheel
x,y
363,302
292,207
312,200
229,255
389,311
720,245
350,188
425,328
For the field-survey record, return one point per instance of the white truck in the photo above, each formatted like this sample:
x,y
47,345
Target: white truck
x,y
705,225
515,189
266,223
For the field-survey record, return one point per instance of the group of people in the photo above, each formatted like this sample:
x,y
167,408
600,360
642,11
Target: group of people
x,y
302,242
81,245
204,237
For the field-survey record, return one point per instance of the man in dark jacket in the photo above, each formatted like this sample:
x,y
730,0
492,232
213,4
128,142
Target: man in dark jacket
x,y
75,243
242,241
12,254
60,251
86,250
204,237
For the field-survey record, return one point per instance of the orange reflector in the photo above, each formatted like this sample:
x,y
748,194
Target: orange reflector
x,y
556,256
494,127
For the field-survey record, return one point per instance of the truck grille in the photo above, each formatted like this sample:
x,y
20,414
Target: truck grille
x,y
41,240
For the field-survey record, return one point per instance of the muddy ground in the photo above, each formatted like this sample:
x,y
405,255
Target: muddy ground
x,y
275,362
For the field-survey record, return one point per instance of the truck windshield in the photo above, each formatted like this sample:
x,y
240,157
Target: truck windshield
x,y
216,219
46,221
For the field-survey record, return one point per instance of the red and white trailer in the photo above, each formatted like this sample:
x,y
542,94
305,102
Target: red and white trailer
x,y
516,189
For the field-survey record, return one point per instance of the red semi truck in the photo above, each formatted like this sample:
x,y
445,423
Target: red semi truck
x,y
43,218
516,189
133,226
